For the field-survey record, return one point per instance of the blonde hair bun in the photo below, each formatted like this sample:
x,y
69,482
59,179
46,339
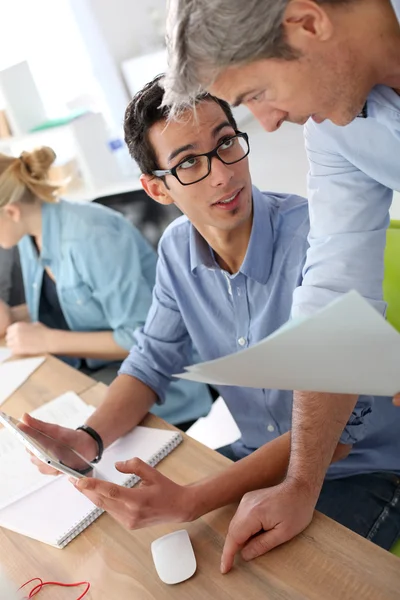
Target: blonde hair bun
x,y
38,162
26,178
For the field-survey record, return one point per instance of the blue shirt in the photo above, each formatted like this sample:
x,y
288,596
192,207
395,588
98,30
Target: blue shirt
x,y
105,272
195,299
353,172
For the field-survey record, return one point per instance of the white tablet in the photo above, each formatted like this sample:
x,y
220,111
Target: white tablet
x,y
47,449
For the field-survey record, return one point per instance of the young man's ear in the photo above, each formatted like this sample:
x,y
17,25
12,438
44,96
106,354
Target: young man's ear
x,y
156,189
13,212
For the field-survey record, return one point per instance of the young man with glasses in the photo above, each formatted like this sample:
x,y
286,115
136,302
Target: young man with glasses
x,y
225,279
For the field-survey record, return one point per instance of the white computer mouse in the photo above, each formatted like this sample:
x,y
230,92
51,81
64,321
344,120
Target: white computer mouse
x,y
173,557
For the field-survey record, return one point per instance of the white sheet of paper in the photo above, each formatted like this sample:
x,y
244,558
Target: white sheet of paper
x,y
18,476
5,354
347,347
217,429
14,373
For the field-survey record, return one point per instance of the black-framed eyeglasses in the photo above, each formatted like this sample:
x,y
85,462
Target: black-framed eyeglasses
x,y
197,167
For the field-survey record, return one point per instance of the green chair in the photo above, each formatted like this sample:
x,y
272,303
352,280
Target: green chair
x,y
391,293
391,282
396,549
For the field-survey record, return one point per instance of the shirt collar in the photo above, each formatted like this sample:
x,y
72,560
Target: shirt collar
x,y
201,254
258,259
51,232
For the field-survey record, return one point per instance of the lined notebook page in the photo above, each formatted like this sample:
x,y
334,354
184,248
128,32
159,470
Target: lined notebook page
x,y
57,513
18,475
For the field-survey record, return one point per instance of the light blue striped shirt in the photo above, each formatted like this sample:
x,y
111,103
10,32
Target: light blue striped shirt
x,y
353,172
195,299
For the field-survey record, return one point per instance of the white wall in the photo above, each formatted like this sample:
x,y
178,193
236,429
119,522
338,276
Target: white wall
x,y
45,34
130,27
113,31
278,161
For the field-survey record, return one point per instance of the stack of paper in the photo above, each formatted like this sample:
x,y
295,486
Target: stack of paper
x,y
347,347
217,429
13,374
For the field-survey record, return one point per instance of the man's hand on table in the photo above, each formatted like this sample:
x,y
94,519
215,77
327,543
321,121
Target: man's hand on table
x,y
156,500
274,515
28,339
269,517
5,318
396,400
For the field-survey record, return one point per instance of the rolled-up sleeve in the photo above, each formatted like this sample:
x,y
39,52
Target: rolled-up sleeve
x,y
349,215
357,425
163,346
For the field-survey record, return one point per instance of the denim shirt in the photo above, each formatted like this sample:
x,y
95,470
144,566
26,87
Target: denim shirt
x,y
104,271
353,172
103,268
195,299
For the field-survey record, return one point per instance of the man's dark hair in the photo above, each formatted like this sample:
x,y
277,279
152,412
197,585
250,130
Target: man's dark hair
x,y
144,111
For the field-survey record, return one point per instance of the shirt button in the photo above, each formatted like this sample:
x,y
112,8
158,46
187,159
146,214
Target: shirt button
x,y
238,291
242,341
271,428
79,301
34,285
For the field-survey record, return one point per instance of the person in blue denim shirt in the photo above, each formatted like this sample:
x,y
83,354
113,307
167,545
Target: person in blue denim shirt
x,y
225,279
88,278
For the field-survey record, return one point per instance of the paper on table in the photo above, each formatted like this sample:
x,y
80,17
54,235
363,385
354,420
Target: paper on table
x,y
13,374
5,354
347,347
217,429
18,476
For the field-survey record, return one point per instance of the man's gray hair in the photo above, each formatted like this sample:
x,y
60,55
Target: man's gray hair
x,y
204,37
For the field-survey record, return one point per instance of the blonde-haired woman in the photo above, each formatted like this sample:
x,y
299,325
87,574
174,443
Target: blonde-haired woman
x,y
88,278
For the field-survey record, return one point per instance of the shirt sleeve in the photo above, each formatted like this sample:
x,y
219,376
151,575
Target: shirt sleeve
x,y
357,426
349,215
163,346
119,285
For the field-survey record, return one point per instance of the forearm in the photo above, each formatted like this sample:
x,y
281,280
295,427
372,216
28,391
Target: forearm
x,y
127,402
265,467
318,421
94,344
20,313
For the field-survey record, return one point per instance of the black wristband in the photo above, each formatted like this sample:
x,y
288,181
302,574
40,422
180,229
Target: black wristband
x,y
93,434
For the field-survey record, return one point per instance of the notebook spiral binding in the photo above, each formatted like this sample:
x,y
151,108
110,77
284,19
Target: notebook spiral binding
x,y
77,528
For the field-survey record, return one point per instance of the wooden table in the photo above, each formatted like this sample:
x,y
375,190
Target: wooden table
x,y
50,380
326,562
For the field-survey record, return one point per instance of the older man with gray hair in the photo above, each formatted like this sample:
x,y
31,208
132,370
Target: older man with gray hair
x,y
333,66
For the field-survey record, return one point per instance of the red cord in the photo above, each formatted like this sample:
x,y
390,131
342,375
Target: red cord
x,y
37,588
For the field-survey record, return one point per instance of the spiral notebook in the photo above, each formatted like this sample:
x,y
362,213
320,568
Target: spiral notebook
x,y
56,512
